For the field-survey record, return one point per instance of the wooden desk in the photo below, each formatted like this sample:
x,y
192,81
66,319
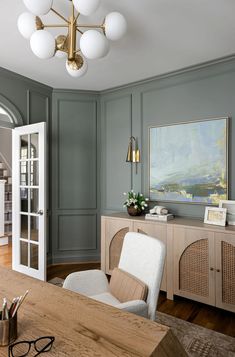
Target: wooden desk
x,y
82,326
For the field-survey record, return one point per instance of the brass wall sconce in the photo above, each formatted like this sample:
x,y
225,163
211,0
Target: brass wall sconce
x,y
133,152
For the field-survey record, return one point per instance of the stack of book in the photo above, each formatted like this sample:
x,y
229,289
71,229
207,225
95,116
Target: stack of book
x,y
159,217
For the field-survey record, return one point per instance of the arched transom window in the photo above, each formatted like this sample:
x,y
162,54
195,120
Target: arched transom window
x,y
4,116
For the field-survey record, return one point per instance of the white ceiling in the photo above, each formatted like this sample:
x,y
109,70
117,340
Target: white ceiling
x,y
163,35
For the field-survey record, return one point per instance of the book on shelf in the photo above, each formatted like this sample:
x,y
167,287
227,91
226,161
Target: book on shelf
x,y
159,217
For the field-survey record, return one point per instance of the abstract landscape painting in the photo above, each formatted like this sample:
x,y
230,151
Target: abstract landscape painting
x,y
188,162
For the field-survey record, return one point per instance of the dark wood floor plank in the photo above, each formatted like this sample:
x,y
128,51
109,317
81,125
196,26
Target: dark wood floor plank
x,y
204,315
63,270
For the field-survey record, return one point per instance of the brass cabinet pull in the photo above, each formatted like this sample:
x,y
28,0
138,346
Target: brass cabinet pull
x,y
212,269
218,270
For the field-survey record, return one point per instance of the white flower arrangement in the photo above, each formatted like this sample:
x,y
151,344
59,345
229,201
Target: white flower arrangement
x,y
137,200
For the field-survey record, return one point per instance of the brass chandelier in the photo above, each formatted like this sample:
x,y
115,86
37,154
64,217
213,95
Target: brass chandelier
x,y
93,42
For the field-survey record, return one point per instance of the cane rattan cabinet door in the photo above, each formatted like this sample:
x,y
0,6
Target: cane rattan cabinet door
x,y
225,271
155,230
194,272
113,233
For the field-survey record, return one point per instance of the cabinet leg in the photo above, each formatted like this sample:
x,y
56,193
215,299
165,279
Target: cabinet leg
x,y
170,296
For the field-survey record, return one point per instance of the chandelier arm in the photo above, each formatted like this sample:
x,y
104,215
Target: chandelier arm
x,y
79,31
58,14
76,18
91,26
73,10
56,25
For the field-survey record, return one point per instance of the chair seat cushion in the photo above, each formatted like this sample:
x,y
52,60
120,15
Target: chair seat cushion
x,y
106,298
126,287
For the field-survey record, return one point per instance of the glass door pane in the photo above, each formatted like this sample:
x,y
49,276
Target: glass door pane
x,y
34,225
24,230
24,253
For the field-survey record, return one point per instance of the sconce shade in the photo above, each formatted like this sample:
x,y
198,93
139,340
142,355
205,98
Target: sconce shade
x,y
137,155
129,157
133,153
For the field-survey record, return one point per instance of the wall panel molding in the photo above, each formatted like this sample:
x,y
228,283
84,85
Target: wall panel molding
x,y
60,134
75,214
116,114
32,110
85,225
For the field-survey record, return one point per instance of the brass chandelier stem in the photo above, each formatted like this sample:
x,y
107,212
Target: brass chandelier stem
x,y
72,36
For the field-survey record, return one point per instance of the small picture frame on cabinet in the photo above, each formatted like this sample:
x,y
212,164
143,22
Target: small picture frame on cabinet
x,y
230,205
215,215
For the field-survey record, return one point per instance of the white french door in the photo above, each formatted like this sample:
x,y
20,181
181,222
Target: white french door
x,y
29,200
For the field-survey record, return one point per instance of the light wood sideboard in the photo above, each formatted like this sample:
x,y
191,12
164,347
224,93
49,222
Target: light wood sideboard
x,y
200,261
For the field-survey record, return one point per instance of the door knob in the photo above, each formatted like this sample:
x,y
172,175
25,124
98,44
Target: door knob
x,y
40,212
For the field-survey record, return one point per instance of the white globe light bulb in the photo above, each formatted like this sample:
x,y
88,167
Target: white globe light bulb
x,y
27,24
94,44
38,7
115,26
78,67
86,7
43,44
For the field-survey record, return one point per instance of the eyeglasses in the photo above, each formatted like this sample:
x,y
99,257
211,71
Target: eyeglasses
x,y
22,348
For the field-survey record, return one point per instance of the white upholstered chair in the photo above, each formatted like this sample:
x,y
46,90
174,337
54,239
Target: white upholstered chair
x,y
142,257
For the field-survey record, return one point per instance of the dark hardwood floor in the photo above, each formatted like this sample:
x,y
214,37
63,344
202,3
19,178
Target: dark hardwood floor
x,y
200,314
191,311
63,270
6,255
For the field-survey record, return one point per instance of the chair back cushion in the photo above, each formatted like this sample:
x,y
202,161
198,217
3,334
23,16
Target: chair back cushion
x,y
126,287
143,257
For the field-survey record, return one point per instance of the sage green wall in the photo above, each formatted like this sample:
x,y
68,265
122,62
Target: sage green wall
x,y
33,101
88,140
206,92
